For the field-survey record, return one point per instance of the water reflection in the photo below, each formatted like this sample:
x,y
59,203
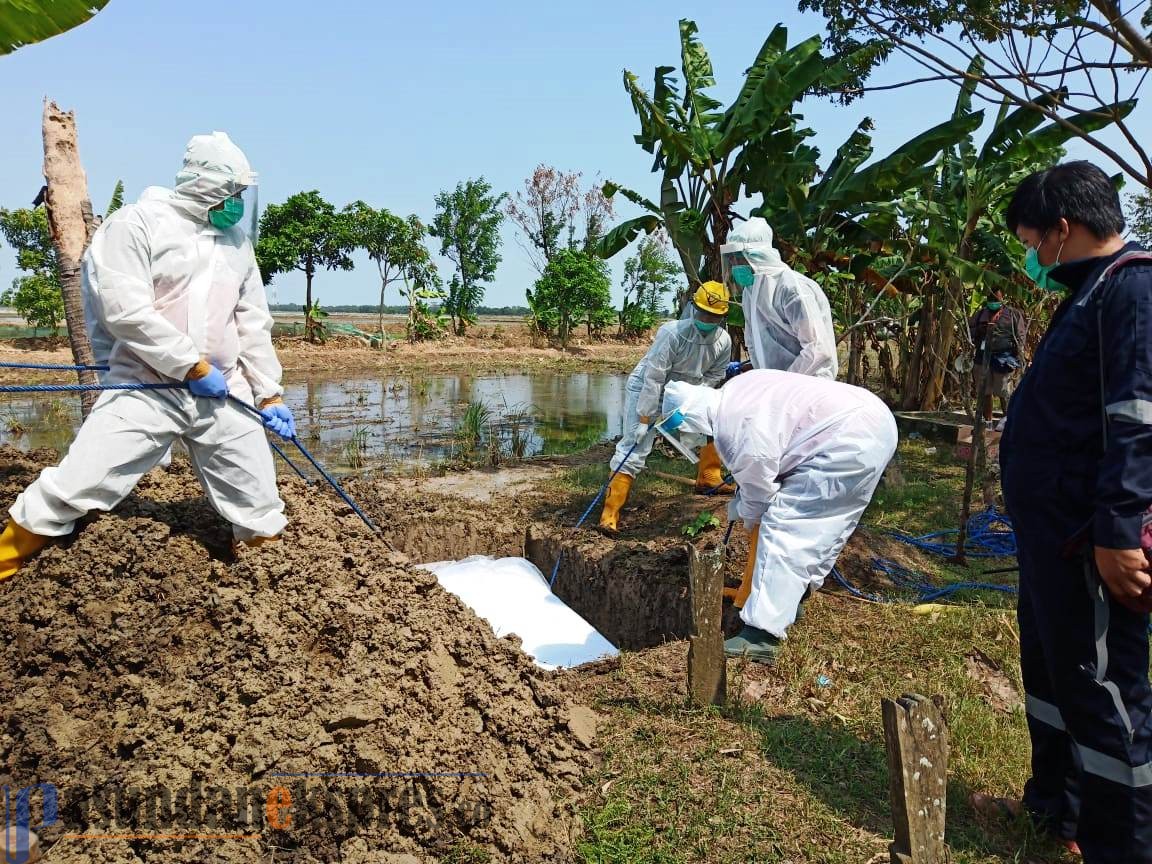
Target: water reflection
x,y
394,421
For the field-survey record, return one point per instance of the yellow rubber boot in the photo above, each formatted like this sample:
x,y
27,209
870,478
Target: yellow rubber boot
x,y
253,542
17,545
614,499
710,473
739,596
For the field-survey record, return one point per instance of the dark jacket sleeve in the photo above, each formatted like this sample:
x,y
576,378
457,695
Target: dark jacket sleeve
x,y
1019,330
1124,482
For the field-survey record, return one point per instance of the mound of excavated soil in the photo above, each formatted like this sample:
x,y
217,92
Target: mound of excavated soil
x,y
166,687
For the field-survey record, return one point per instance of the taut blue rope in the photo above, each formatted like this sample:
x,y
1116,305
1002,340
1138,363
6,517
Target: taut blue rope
x,y
85,388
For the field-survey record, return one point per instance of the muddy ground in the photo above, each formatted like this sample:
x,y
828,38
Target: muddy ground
x,y
486,349
168,687
633,587
149,660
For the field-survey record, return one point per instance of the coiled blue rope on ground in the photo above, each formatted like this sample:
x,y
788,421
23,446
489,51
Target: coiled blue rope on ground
x,y
983,541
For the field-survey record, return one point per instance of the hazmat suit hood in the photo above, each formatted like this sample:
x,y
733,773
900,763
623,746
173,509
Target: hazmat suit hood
x,y
754,240
696,403
214,169
155,193
788,321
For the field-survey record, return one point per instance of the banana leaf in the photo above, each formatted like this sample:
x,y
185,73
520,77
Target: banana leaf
x,y
24,22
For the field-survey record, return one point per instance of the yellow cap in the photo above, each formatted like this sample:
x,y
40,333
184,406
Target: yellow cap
x,y
712,297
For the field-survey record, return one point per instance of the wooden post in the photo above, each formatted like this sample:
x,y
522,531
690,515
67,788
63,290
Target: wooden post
x,y
72,224
707,669
917,740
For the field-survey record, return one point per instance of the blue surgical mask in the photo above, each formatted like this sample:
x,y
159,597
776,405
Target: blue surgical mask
x,y
705,328
742,275
1041,274
232,212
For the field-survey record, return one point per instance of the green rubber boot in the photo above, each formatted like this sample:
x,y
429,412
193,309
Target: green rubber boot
x,y
757,645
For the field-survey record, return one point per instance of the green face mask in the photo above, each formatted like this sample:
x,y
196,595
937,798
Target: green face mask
x,y
232,212
1041,274
742,275
705,328
994,305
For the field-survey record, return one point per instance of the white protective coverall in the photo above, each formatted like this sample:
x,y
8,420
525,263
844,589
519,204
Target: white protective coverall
x,y
167,288
788,320
680,352
98,337
807,455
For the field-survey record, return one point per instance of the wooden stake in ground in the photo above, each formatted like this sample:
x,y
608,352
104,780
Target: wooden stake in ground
x,y
917,741
70,219
707,670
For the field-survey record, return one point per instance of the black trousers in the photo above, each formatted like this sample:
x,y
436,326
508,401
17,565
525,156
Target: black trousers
x,y
1084,659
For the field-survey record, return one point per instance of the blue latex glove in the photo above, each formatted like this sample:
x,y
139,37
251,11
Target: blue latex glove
x,y
211,386
279,419
734,368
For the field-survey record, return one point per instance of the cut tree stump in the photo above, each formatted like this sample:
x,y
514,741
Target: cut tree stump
x,y
707,669
917,741
71,222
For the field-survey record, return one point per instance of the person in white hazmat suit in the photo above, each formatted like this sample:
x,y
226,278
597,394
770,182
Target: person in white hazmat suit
x,y
99,338
177,294
696,349
788,322
807,455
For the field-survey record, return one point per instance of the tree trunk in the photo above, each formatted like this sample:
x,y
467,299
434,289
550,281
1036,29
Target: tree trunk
x,y
914,368
309,320
380,317
70,219
939,348
975,454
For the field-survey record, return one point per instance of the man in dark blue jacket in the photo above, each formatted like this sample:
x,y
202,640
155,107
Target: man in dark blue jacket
x,y
1076,484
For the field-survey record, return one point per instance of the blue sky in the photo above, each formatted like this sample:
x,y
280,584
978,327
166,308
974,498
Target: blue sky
x,y
390,103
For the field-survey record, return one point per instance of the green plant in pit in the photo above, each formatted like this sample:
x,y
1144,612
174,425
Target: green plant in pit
x,y
703,522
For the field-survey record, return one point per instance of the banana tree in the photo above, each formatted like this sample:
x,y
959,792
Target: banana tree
x,y
32,21
706,154
963,222
960,212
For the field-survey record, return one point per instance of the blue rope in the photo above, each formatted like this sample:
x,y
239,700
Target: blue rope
x,y
591,507
88,388
984,541
54,366
83,388
319,468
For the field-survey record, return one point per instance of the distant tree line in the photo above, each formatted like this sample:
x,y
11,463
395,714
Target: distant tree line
x,y
373,308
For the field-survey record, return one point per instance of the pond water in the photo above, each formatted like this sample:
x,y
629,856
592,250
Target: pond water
x,y
395,422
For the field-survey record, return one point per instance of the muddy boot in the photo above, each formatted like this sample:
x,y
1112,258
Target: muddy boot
x,y
617,494
757,645
710,473
253,542
17,545
808,592
739,596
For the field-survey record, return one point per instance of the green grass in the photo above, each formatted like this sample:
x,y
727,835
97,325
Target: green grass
x,y
473,424
805,778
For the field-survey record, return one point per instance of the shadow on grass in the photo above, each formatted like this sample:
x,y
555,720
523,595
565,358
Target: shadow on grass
x,y
850,776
